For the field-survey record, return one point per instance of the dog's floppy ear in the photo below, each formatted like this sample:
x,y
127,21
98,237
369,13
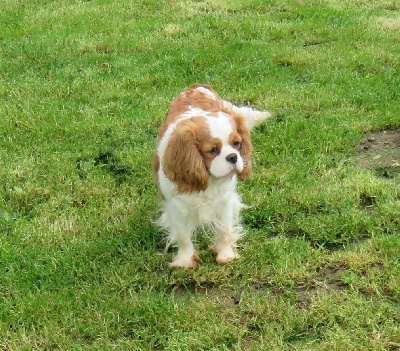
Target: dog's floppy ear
x,y
182,161
246,148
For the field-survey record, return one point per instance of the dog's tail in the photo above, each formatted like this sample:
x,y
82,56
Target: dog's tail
x,y
252,117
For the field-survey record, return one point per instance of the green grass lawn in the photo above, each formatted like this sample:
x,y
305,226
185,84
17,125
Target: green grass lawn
x,y
84,87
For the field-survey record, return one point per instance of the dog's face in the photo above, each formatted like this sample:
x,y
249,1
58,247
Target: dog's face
x,y
220,149
210,146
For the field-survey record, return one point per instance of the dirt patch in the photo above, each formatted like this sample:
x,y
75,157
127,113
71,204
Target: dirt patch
x,y
380,152
328,280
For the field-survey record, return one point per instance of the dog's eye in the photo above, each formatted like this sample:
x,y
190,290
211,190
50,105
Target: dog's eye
x,y
213,151
236,144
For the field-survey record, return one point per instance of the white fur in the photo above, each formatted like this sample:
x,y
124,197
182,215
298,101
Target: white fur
x,y
218,207
207,91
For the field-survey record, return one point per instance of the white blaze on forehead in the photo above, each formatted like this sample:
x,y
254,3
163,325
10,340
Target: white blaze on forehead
x,y
220,127
193,112
207,91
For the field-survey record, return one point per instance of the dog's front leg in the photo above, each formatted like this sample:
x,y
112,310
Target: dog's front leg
x,y
181,236
227,233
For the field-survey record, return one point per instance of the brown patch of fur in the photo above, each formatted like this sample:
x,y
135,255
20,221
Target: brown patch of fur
x,y
206,144
183,163
245,148
156,167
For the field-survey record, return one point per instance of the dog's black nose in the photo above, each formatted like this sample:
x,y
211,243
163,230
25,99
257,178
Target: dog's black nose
x,y
232,158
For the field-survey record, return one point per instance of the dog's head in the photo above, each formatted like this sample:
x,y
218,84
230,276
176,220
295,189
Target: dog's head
x,y
217,145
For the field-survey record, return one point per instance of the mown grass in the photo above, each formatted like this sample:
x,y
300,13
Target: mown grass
x,y
84,86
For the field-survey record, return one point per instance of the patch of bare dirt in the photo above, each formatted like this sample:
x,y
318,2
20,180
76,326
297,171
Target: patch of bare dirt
x,y
328,280
380,152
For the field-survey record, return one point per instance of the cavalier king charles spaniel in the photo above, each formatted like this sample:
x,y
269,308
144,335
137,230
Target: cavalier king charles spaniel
x,y
204,146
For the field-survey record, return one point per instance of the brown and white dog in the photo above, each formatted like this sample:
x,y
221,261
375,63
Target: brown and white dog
x,y
204,146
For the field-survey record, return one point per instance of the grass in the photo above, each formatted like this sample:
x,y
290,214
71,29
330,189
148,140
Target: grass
x,y
84,86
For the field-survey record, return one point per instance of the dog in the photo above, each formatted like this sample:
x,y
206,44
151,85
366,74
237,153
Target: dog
x,y
204,145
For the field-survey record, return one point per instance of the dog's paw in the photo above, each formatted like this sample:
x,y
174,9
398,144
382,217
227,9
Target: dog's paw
x,y
223,259
226,255
185,262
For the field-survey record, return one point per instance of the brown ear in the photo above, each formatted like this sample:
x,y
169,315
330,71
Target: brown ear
x,y
156,166
246,148
182,161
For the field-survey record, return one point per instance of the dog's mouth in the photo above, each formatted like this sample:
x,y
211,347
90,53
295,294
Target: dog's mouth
x,y
233,170
226,165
